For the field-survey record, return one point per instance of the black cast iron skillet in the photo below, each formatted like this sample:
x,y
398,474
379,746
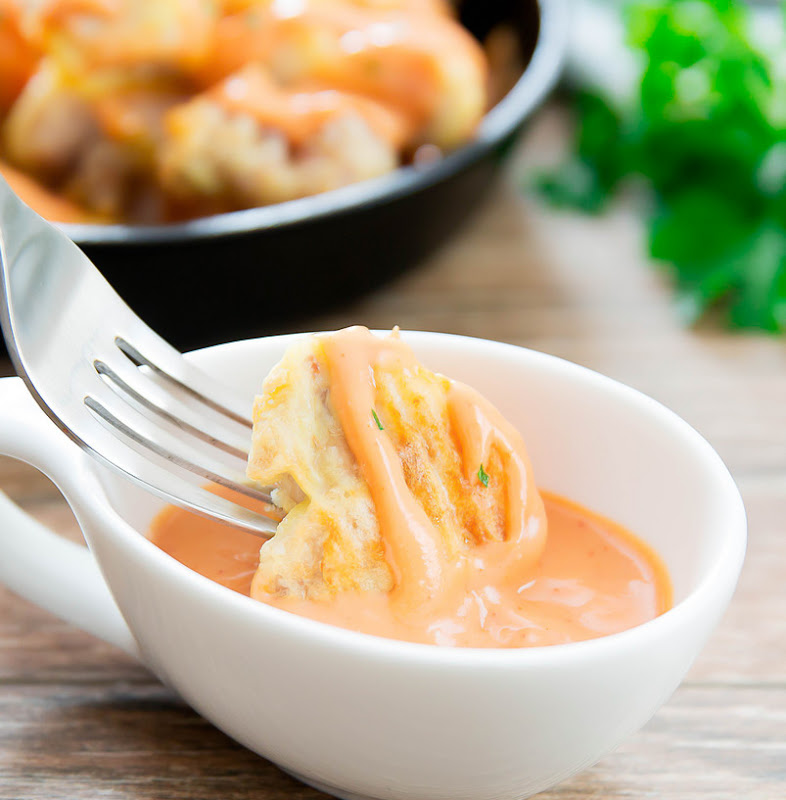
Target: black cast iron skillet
x,y
252,272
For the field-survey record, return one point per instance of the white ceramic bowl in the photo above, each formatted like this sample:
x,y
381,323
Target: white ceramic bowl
x,y
361,716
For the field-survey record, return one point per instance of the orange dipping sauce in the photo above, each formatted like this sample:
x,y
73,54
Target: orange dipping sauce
x,y
592,579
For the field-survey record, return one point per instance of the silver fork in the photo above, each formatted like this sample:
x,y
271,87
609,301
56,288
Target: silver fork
x,y
111,383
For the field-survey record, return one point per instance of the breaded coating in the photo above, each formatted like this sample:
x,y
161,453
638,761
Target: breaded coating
x,y
412,56
225,154
96,34
331,539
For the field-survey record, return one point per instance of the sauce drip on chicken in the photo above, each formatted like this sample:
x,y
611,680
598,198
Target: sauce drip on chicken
x,y
427,559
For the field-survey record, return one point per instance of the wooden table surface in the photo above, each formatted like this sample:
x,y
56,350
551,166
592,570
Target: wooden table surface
x,y
79,719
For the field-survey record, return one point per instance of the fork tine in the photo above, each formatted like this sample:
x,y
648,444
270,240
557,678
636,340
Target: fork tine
x,y
169,364
133,383
172,486
151,437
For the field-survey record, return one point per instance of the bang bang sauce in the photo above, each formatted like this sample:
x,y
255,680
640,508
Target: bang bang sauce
x,y
552,573
592,579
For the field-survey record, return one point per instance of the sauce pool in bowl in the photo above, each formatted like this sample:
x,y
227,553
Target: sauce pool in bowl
x,y
593,579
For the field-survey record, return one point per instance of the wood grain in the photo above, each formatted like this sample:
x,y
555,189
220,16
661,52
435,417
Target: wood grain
x,y
127,741
79,719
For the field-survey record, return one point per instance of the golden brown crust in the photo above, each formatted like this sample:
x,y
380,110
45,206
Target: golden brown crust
x,y
330,540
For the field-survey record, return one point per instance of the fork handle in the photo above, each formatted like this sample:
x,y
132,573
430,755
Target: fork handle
x,y
50,571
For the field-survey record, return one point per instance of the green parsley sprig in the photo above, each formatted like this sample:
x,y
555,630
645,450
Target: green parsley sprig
x,y
706,134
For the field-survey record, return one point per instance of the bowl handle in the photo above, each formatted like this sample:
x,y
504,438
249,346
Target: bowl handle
x,y
50,571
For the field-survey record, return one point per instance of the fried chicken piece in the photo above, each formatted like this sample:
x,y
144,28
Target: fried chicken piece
x,y
389,473
85,35
49,126
329,540
92,142
251,142
410,56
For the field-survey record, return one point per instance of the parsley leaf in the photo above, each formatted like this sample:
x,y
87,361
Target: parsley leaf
x,y
483,476
376,419
706,135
